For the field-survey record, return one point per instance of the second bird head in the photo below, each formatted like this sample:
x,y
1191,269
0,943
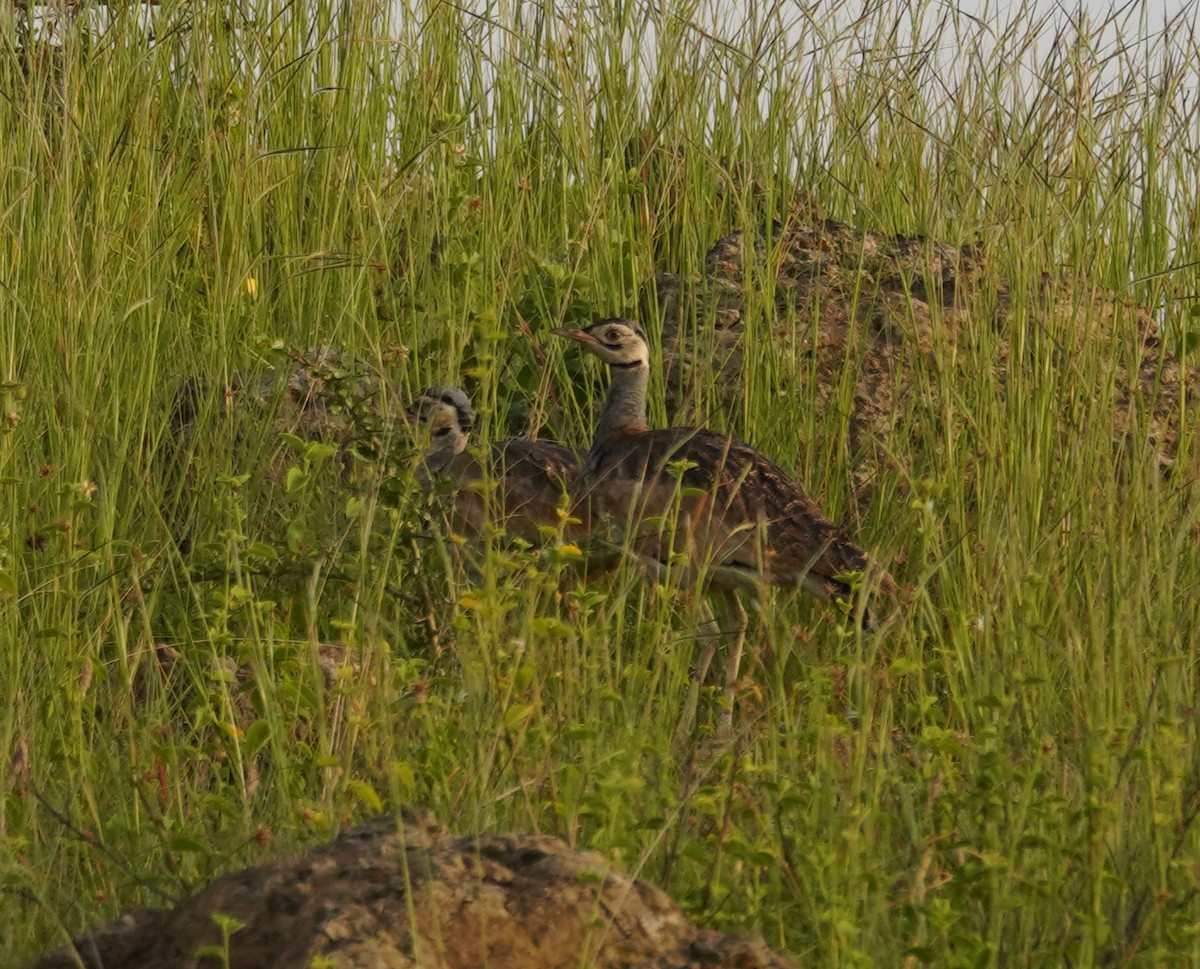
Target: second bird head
x,y
616,341
445,414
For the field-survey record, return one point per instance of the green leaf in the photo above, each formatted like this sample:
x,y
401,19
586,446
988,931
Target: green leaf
x,y
318,451
8,584
567,552
216,952
405,777
295,479
228,924
556,271
300,537
549,627
262,552
235,481
257,735
222,805
676,469
523,677
904,666
517,716
366,794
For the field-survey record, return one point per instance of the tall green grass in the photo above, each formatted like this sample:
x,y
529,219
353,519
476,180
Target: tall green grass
x,y
1008,774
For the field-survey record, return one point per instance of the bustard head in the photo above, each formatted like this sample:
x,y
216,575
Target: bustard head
x,y
446,415
618,342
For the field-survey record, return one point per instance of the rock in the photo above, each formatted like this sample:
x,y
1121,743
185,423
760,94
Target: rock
x,y
878,310
402,896
316,395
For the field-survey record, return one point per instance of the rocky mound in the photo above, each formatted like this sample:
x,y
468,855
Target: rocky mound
x,y
409,895
840,299
317,395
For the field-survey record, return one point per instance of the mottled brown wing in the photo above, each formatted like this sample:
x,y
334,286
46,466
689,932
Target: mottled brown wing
x,y
537,476
466,505
736,510
520,493
542,457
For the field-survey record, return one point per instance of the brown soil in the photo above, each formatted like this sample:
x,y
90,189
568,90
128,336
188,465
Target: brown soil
x,y
389,896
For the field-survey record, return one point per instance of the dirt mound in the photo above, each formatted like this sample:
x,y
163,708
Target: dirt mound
x,y
875,309
388,896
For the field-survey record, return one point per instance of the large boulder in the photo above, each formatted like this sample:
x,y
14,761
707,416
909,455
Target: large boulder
x,y
402,895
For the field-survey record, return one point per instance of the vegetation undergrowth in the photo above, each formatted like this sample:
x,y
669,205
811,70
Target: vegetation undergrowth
x,y
223,640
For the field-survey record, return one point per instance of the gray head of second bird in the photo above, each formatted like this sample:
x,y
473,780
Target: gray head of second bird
x,y
622,345
446,415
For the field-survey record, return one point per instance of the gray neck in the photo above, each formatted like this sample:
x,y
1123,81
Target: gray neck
x,y
625,405
439,456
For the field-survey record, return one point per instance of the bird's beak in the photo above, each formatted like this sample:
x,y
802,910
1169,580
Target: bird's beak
x,y
576,334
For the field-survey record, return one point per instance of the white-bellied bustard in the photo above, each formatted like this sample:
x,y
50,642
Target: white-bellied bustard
x,y
520,487
692,495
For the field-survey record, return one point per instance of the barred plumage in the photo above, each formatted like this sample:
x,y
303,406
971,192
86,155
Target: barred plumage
x,y
738,512
735,517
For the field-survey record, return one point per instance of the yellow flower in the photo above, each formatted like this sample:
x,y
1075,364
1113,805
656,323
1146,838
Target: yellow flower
x,y
252,287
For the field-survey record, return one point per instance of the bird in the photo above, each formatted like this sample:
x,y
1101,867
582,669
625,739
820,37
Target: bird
x,y
705,505
532,480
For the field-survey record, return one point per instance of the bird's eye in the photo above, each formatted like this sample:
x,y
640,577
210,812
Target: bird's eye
x,y
614,336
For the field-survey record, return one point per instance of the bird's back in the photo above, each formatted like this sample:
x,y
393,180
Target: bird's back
x,y
522,491
725,505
